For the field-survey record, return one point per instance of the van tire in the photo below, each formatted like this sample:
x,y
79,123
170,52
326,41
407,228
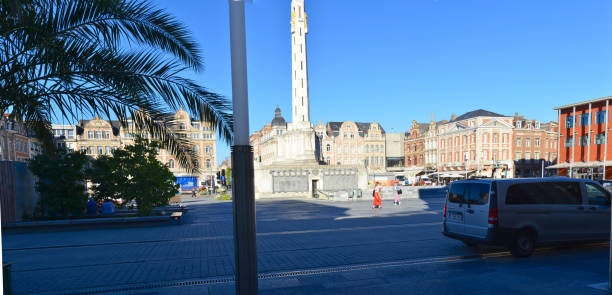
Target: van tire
x,y
523,243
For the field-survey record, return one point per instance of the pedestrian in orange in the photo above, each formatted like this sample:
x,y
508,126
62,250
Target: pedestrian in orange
x,y
377,196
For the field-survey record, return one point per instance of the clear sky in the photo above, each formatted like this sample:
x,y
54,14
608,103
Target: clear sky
x,y
395,61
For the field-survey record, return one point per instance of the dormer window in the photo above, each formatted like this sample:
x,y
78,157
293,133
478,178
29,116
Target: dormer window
x,y
518,124
182,126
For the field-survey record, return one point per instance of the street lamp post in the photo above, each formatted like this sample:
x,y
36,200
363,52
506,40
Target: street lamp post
x,y
243,192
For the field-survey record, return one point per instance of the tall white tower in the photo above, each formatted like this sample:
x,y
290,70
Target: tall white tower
x,y
299,75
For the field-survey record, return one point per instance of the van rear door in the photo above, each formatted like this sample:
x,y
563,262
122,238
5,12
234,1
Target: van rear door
x,y
455,208
476,221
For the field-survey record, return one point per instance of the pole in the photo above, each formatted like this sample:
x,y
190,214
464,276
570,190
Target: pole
x,y
542,168
573,146
243,193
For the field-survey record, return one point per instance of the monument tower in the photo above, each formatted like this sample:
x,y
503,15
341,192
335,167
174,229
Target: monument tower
x,y
299,66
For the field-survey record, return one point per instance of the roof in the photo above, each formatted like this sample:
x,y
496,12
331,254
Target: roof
x,y
478,113
278,119
584,102
423,127
363,127
115,124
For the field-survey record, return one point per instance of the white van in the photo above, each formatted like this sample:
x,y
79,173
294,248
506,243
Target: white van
x,y
521,213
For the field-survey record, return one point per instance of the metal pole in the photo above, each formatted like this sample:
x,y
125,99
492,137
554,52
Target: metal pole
x,y
243,192
606,142
542,168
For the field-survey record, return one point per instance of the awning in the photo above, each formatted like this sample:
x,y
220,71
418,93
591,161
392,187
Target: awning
x,y
592,164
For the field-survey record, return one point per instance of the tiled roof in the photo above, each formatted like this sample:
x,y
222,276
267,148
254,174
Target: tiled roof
x,y
478,113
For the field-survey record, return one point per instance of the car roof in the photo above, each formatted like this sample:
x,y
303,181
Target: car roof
x,y
532,179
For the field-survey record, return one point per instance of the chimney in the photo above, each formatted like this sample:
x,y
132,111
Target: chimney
x,y
453,117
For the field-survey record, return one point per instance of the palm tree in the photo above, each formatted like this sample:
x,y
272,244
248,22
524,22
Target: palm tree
x,y
74,58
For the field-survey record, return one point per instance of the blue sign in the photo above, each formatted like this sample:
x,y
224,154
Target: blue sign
x,y
187,183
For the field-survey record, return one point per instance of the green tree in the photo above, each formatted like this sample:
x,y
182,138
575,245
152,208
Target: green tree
x,y
82,58
61,183
134,173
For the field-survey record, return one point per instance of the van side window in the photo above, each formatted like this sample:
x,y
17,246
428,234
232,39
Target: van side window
x,y
544,193
456,193
597,196
479,193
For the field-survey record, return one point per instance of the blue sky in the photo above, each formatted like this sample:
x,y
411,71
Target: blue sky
x,y
396,61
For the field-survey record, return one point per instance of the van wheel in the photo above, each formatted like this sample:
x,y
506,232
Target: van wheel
x,y
523,244
470,244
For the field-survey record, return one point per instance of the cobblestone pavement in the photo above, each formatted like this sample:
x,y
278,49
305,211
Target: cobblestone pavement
x,y
293,234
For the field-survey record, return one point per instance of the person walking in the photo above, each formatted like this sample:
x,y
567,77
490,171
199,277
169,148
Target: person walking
x,y
397,190
193,193
377,196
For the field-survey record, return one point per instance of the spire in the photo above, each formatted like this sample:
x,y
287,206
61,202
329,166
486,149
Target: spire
x,y
432,119
299,67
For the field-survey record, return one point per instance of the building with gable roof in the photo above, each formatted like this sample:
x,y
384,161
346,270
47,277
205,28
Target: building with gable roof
x,y
477,143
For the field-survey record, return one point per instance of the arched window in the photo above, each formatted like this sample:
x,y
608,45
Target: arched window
x,y
171,163
196,163
195,148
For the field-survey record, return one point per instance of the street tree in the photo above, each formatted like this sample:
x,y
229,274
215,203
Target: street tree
x,y
134,174
69,59
61,183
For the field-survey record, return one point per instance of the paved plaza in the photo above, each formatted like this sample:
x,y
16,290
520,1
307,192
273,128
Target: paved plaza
x,y
304,247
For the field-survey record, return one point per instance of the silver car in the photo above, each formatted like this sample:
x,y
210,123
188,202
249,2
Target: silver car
x,y
521,213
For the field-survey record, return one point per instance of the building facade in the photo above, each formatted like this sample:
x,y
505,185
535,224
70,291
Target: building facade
x,y
17,143
534,147
414,148
100,137
477,143
584,149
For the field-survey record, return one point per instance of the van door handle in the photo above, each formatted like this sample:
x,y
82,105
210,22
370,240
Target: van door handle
x,y
470,211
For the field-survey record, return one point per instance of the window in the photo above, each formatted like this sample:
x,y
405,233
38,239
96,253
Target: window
x,y
478,193
536,155
328,147
208,163
518,141
544,193
195,148
527,142
195,125
100,151
537,125
584,140
106,134
182,126
569,122
456,193
90,150
90,134
352,149
70,134
597,195
494,155
536,142
98,134
584,119
601,117
600,138
195,135
518,124
494,137
346,149
569,141
83,149
107,150
171,163
527,156
518,156
339,150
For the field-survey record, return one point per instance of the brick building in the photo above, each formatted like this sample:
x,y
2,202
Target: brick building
x,y
534,146
584,150
414,148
